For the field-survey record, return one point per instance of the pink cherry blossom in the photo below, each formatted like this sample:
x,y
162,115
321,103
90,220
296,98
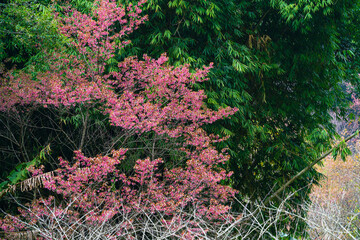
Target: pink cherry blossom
x,y
145,95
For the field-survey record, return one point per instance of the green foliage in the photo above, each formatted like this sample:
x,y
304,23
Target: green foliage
x,y
27,28
341,149
21,173
277,62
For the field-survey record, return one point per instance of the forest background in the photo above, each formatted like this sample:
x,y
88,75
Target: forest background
x,y
282,74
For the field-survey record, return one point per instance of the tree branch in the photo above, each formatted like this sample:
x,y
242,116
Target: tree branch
x,y
282,188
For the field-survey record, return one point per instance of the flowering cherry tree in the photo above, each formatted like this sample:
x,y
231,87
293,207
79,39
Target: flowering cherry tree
x,y
139,96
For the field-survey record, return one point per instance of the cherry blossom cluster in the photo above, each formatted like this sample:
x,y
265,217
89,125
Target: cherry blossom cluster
x,y
145,95
96,186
